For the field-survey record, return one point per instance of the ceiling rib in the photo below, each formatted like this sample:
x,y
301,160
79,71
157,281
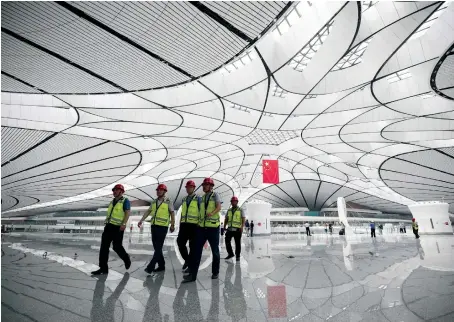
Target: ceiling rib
x,y
127,40
216,17
66,60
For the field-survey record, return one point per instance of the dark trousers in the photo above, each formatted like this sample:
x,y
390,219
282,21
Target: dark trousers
x,y
228,242
188,232
308,231
158,235
204,234
111,235
415,231
252,232
372,232
405,230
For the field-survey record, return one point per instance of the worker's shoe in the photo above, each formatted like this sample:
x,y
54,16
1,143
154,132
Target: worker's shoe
x,y
148,270
186,271
238,259
188,279
159,269
100,272
214,276
128,263
185,266
229,256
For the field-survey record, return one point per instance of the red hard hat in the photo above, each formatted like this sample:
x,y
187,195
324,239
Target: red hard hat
x,y
234,199
161,186
208,181
413,219
119,186
190,183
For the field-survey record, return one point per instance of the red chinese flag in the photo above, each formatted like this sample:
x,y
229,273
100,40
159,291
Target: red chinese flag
x,y
277,301
270,170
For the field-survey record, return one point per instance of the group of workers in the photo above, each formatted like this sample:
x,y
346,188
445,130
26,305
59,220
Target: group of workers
x,y
199,223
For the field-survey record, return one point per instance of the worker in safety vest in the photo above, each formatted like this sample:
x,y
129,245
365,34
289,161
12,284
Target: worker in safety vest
x,y
188,223
209,222
415,227
115,225
235,220
161,213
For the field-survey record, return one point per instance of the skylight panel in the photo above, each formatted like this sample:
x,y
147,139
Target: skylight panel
x,y
238,63
278,91
302,59
429,22
398,76
368,4
354,56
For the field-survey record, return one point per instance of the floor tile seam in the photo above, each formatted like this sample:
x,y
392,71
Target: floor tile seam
x,y
53,283
44,302
19,313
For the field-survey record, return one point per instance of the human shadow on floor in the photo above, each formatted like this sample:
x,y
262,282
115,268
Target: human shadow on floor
x,y
100,311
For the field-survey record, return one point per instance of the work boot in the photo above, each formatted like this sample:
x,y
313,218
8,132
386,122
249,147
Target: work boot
x,y
238,259
148,270
100,272
214,276
228,257
128,263
188,279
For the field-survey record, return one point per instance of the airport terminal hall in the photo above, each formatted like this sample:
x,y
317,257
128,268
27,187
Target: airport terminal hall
x,y
253,161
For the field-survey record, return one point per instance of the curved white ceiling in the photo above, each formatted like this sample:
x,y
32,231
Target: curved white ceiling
x,y
353,100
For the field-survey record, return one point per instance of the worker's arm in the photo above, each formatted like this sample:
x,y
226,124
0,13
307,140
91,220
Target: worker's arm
x,y
147,213
243,220
172,221
225,220
216,210
125,220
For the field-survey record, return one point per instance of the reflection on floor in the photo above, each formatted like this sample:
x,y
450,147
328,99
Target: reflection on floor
x,y
283,278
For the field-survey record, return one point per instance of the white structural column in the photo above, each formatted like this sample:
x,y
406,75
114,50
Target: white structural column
x,y
259,212
432,217
342,212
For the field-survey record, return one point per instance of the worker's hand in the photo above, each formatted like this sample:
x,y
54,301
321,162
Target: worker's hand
x,y
209,214
122,227
139,224
172,228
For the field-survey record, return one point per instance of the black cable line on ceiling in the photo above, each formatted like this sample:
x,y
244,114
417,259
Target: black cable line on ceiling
x,y
216,17
129,41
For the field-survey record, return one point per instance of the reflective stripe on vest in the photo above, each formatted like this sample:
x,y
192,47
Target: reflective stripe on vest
x,y
208,206
190,214
116,214
160,215
234,220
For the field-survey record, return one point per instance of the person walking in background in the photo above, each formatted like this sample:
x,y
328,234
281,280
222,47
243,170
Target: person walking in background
x,y
372,230
235,221
114,229
162,213
330,227
252,228
380,228
246,224
326,228
308,231
415,227
405,229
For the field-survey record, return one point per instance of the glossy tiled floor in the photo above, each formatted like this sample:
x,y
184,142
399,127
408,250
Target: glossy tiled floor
x,y
283,278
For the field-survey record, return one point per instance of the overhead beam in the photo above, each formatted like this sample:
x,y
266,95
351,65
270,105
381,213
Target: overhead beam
x,y
60,57
216,17
113,32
